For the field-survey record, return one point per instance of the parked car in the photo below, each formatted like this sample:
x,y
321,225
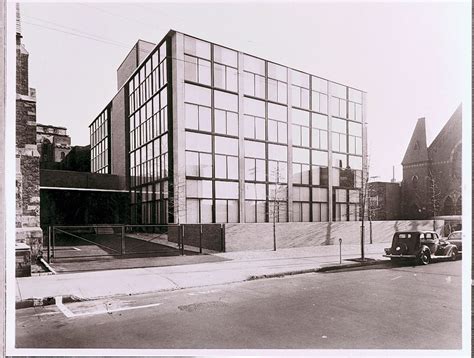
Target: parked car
x,y
455,238
420,246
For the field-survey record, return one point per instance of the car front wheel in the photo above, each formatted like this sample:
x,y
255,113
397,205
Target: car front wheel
x,y
425,257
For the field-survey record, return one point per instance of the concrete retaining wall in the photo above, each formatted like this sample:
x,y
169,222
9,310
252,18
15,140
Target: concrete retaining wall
x,y
242,237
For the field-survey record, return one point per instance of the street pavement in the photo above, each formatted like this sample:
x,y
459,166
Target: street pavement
x,y
237,267
378,307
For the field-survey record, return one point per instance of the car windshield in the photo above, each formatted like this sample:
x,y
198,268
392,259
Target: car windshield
x,y
404,235
455,235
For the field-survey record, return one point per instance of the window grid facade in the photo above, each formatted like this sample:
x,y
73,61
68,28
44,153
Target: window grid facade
x,y
346,110
211,135
148,150
100,143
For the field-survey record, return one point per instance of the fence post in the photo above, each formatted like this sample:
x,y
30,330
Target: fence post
x,y
179,237
54,242
122,242
182,242
200,239
340,251
49,243
222,238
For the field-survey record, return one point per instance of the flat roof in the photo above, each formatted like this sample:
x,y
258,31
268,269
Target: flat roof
x,y
172,32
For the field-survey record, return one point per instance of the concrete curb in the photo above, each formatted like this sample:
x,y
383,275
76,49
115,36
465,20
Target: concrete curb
x,y
352,265
332,267
45,301
283,274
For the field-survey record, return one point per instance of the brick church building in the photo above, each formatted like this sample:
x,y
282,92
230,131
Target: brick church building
x,y
432,175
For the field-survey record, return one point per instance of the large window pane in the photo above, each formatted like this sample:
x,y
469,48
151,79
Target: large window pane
x,y
206,211
221,211
225,56
227,190
225,145
253,64
198,142
277,152
254,107
192,211
232,211
320,158
232,167
197,47
192,164
254,149
225,100
199,188
197,95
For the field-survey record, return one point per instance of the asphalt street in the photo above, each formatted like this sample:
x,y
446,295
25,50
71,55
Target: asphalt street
x,y
388,307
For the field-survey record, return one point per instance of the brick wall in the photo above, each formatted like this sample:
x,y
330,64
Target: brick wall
x,y
22,85
27,177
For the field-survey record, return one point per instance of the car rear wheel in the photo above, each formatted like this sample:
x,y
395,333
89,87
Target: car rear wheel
x,y
425,257
454,254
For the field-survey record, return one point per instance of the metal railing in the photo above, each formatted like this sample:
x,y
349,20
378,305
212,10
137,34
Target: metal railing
x,y
89,241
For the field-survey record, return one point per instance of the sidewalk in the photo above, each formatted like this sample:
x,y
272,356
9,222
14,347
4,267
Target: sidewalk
x,y
239,266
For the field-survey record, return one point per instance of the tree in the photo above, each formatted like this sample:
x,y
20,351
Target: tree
x,y
434,195
373,206
277,196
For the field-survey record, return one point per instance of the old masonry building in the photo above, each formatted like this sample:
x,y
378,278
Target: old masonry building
x,y
206,134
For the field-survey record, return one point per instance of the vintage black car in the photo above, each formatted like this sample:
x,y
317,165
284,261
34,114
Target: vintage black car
x,y
420,246
455,238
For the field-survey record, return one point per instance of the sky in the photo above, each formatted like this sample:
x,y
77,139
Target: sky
x,y
412,59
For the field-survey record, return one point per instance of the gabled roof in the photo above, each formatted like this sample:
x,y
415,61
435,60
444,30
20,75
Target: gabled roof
x,y
451,134
417,150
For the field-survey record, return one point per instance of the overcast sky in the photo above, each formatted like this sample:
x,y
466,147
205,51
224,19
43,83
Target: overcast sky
x,y
412,59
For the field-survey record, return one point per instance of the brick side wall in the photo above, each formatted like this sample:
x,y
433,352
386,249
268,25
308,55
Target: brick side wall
x,y
27,178
25,123
242,237
22,85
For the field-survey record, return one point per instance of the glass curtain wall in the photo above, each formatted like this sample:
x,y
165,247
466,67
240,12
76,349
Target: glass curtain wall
x,y
212,131
265,140
148,123
270,93
99,136
346,110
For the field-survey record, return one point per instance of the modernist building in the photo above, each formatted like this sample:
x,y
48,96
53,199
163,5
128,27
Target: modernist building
x,y
53,143
432,175
207,134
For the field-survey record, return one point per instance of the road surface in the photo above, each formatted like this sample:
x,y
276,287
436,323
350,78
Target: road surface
x,y
387,308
